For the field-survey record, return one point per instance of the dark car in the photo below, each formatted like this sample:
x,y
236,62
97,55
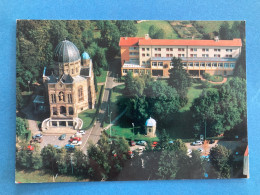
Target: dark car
x,y
212,141
62,137
38,139
37,136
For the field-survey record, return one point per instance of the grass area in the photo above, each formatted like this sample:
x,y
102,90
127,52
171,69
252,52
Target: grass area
x,y
102,77
40,177
215,78
88,116
193,92
143,28
124,128
211,26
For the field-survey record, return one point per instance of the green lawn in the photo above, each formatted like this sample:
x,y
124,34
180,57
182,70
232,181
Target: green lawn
x,y
143,28
193,92
102,77
124,128
41,176
211,26
87,116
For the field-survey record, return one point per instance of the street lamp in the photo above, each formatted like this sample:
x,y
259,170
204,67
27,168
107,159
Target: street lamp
x,y
110,123
29,86
133,128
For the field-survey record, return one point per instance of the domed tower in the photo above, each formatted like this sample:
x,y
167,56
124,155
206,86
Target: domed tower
x,y
150,127
67,59
85,59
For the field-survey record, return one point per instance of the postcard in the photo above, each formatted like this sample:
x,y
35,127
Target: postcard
x,y
121,100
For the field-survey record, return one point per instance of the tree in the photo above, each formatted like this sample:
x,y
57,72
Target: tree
x,y
156,33
224,31
168,164
80,163
221,159
23,156
179,78
190,167
20,126
126,28
49,157
109,38
36,158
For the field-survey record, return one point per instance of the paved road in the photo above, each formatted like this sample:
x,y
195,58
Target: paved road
x,y
95,132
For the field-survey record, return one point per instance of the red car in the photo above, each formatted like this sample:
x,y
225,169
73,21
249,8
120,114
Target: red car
x,y
132,143
30,148
154,144
75,138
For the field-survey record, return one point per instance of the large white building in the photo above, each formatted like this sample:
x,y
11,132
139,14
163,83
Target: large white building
x,y
143,55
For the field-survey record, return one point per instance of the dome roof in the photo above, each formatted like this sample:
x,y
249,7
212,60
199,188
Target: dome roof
x,y
85,56
65,52
150,122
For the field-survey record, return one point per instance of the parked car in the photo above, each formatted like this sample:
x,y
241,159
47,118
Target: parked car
x,y
139,150
171,142
142,143
132,143
200,150
189,151
62,137
76,143
37,135
30,148
57,147
78,134
38,139
75,138
212,141
154,144
69,146
83,132
196,143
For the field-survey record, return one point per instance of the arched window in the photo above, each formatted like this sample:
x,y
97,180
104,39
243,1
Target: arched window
x,y
80,93
61,97
63,110
72,71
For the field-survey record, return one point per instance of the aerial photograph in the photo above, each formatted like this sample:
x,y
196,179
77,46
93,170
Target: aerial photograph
x,y
122,100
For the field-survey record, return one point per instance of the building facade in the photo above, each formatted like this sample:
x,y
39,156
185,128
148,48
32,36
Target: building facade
x,y
143,55
70,88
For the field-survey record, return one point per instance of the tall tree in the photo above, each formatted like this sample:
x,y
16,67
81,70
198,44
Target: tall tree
x,y
20,126
126,28
221,160
224,31
179,78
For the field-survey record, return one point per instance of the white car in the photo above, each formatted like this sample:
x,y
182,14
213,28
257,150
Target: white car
x,y
76,143
82,132
76,135
197,143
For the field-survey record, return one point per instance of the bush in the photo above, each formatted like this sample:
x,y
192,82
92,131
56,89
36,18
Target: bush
x,y
206,76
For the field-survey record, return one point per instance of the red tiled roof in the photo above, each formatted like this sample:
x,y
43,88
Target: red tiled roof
x,y
234,42
134,41
246,152
129,41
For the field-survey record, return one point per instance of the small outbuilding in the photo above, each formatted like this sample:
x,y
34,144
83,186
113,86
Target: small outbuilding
x,y
150,127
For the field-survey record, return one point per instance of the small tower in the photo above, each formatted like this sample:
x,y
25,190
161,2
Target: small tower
x,y
85,59
150,127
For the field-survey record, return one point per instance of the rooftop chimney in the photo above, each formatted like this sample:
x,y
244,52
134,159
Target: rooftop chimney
x,y
146,36
216,38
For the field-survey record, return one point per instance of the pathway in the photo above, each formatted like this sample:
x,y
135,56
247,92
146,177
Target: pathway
x,y
223,81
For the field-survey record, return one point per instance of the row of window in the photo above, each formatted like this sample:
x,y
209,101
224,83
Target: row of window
x,y
191,55
72,71
63,110
133,48
197,64
137,71
183,49
61,97
134,53
208,64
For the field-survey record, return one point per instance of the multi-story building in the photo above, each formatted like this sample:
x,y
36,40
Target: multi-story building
x,y
143,55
